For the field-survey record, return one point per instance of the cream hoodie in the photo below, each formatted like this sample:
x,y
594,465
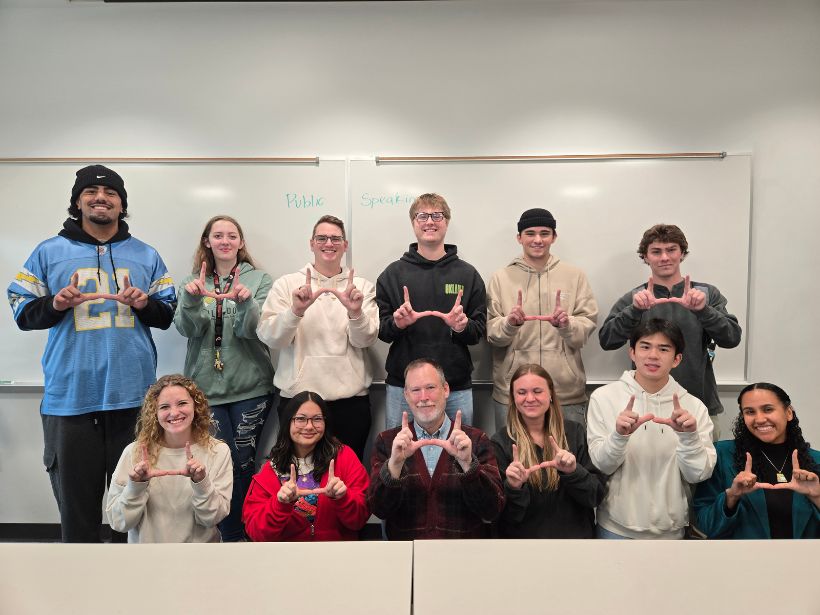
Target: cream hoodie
x,y
323,351
557,350
651,470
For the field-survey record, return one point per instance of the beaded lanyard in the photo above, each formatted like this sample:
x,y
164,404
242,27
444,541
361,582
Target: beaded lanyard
x,y
218,364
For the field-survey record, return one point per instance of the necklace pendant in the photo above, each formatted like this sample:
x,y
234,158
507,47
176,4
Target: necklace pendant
x,y
781,478
218,364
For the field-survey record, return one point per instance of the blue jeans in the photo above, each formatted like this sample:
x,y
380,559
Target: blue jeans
x,y
395,404
239,425
606,534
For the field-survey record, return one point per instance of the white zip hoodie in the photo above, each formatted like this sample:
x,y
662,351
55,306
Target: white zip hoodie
x,y
650,471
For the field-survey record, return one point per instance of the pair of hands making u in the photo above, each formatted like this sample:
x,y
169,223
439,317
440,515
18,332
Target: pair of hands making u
x,y
559,317
351,297
289,492
803,482
681,420
71,296
196,287
562,460
458,445
692,299
143,471
405,315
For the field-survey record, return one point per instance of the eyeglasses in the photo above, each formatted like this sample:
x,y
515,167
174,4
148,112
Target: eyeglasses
x,y
437,216
334,239
302,421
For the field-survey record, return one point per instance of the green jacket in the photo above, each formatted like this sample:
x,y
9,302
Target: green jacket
x,y
248,371
750,519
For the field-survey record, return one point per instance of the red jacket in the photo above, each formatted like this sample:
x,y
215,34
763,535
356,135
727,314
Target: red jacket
x,y
268,519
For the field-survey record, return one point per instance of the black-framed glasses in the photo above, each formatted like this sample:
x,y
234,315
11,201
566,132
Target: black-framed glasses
x,y
436,216
302,421
334,239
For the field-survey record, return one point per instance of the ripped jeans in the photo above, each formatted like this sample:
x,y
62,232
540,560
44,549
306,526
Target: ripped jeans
x,y
239,424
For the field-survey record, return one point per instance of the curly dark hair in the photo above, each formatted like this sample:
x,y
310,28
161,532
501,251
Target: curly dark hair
x,y
283,452
745,441
663,233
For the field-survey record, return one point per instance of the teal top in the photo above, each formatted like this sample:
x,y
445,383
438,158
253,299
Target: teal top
x,y
247,371
750,518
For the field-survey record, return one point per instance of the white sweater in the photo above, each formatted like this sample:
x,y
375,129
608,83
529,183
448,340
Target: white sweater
x,y
323,351
650,471
172,508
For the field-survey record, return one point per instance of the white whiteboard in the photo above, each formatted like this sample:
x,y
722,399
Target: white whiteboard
x,y
168,205
602,208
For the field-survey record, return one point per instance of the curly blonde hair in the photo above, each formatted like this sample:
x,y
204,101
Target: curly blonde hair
x,y
148,430
553,425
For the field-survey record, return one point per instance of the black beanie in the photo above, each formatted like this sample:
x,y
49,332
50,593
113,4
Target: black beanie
x,y
536,217
98,175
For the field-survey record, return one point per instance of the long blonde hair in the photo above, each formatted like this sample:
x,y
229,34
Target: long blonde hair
x,y
203,253
148,430
553,425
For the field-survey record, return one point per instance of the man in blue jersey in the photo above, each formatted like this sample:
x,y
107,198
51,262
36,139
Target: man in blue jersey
x,y
97,290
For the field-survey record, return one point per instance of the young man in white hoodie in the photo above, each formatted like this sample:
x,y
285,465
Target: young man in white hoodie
x,y
651,437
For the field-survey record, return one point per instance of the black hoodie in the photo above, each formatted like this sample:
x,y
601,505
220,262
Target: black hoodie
x,y
433,285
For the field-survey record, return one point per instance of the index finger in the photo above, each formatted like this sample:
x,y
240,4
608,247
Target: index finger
x,y
330,474
406,295
188,452
404,423
554,445
457,424
650,286
748,467
307,277
126,282
687,285
350,279
558,299
630,403
293,474
458,299
675,402
520,299
795,463
145,453
75,280
202,271
515,453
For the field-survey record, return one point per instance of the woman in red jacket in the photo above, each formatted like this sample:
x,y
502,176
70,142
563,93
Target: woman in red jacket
x,y
313,487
